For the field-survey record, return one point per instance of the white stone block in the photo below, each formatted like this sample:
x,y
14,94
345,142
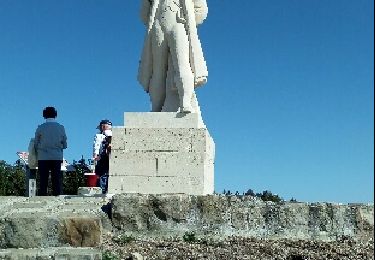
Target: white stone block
x,y
163,120
161,158
89,191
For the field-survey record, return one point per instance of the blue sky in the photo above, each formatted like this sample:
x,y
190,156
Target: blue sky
x,y
289,101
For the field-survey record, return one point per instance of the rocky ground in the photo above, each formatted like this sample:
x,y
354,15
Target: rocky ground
x,y
123,247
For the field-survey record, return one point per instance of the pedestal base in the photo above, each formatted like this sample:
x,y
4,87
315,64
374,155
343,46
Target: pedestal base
x,y
158,153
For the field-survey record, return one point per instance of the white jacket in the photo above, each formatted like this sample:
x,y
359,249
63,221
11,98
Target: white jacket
x,y
98,144
98,141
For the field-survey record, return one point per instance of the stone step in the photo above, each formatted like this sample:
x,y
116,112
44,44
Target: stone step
x,y
58,253
44,222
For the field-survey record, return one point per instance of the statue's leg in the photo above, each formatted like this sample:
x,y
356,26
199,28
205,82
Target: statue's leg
x,y
184,79
172,100
159,74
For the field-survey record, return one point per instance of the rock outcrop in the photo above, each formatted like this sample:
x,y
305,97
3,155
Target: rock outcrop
x,y
135,225
221,216
42,222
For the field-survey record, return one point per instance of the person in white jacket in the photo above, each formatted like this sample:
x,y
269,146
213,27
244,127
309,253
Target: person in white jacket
x,y
31,170
32,161
101,152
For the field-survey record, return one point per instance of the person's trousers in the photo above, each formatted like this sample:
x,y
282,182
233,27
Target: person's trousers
x,y
44,168
103,183
102,169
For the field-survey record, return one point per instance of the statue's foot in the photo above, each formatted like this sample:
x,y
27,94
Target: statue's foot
x,y
186,110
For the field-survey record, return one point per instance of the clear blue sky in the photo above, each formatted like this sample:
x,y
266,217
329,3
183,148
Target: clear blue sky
x,y
289,103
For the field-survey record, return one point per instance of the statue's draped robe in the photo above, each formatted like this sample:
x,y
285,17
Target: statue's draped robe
x,y
195,12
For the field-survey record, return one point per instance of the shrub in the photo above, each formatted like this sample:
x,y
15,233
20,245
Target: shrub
x,y
189,237
13,179
75,179
108,255
268,196
249,192
265,195
123,239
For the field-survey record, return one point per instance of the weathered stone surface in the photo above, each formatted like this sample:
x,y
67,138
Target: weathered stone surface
x,y
137,256
221,222
52,221
89,191
81,231
51,253
162,120
224,216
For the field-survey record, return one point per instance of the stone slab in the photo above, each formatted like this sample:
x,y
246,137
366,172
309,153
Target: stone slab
x,y
59,253
89,191
163,120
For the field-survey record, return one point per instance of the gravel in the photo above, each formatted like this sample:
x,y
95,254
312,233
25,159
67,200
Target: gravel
x,y
123,247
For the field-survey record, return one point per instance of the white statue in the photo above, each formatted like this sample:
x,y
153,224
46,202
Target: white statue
x,y
172,62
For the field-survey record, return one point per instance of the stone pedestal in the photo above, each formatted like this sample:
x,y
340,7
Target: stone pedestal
x,y
158,153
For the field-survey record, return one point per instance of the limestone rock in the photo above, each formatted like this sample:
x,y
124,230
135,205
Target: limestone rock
x,y
52,221
89,191
59,253
81,232
137,256
220,216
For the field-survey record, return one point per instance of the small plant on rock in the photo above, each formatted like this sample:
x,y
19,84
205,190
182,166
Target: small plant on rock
x,y
189,237
123,239
107,255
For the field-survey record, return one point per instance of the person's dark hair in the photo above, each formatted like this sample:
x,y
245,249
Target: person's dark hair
x,y
49,112
105,122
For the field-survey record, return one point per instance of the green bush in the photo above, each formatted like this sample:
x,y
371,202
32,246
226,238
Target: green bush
x,y
108,255
13,179
75,179
126,239
189,237
265,195
268,196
